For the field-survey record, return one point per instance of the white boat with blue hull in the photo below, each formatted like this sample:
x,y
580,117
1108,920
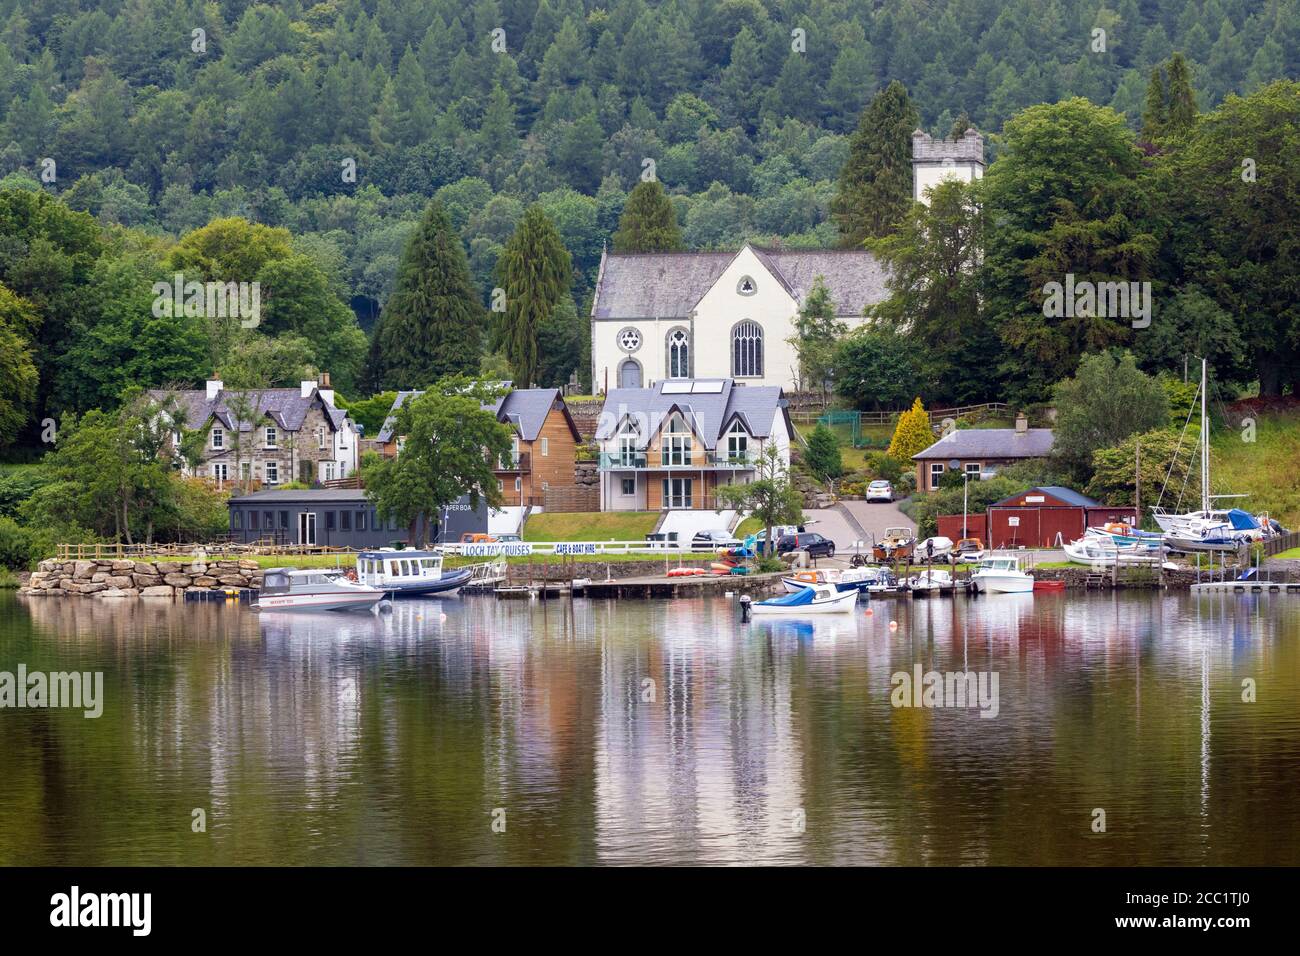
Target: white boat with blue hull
x,y
409,573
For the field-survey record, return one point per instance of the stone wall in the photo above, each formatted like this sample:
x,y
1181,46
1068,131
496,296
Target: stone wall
x,y
124,578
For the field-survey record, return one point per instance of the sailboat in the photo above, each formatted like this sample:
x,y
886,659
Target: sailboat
x,y
1208,529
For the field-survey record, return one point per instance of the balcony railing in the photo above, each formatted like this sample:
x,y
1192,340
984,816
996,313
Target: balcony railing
x,y
618,461
521,462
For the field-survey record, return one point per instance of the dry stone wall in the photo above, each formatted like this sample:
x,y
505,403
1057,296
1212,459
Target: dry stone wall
x,y
126,578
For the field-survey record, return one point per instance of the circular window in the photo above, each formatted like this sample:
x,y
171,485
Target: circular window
x,y
746,286
629,340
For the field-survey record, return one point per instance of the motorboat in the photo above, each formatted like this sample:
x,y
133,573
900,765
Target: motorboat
x,y
933,579
894,545
1001,575
292,589
849,579
1123,534
966,550
1104,552
409,573
936,547
816,599
1239,530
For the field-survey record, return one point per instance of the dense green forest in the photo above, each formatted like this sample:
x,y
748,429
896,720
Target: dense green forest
x,y
299,145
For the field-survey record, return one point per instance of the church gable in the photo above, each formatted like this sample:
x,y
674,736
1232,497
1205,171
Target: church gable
x,y
746,287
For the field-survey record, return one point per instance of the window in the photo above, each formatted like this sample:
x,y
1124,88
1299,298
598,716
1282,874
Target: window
x,y
329,470
973,470
501,485
236,520
320,436
627,440
514,452
329,521
272,472
345,520
629,487
218,437
546,486
252,521
519,484
747,350
220,471
936,473
272,436
737,442
679,354
245,470
546,447
284,520
268,520
361,521
746,286
676,448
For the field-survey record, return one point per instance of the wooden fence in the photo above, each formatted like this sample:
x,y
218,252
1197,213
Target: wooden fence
x,y
1282,543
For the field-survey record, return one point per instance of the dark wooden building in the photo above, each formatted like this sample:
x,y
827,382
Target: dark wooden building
x,y
337,518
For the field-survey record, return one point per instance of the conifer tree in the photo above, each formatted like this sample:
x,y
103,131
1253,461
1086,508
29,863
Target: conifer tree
x,y
1180,97
649,222
536,271
432,324
912,434
1155,111
875,186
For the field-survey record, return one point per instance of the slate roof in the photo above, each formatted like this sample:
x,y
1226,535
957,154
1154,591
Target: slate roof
x,y
1067,495
646,285
989,443
341,495
710,414
284,406
525,408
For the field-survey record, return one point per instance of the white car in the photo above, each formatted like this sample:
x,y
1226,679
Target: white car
x,y
880,490
713,539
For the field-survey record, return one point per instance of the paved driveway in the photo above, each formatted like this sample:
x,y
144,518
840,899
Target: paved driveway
x,y
877,516
830,523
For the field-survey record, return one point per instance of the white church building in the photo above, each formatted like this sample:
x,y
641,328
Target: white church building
x,y
730,315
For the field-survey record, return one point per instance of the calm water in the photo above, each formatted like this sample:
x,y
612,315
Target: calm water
x,y
345,739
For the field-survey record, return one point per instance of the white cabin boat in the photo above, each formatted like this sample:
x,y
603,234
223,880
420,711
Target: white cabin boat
x,y
291,589
1001,575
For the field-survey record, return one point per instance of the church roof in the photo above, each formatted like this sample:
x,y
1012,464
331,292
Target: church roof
x,y
647,285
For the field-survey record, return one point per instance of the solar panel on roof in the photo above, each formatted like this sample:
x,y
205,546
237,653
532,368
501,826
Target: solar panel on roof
x,y
677,388
707,388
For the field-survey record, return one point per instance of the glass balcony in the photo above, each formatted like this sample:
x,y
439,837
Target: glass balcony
x,y
628,461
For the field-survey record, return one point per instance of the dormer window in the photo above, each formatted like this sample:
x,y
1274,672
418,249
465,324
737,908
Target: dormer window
x,y
676,448
737,442
746,286
218,437
271,436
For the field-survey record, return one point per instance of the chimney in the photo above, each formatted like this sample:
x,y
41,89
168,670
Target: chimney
x,y
215,386
306,387
326,393
1022,424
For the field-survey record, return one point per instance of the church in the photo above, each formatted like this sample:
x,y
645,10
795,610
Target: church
x,y
730,315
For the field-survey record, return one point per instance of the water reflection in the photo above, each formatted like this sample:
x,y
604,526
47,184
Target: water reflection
x,y
662,731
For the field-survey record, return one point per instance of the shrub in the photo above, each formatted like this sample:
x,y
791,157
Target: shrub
x,y
912,434
823,455
15,545
882,465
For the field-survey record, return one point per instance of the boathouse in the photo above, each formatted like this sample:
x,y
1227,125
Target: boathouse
x,y
337,518
1046,516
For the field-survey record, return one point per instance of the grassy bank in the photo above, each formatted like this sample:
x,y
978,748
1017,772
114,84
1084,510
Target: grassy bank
x,y
1263,469
8,580
599,526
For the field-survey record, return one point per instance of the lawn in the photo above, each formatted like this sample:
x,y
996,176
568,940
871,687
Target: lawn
x,y
599,526
1292,555
1263,469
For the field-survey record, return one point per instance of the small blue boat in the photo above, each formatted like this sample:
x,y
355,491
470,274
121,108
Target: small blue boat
x,y
409,573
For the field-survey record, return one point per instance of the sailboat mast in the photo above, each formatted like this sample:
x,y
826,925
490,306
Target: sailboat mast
x,y
1205,444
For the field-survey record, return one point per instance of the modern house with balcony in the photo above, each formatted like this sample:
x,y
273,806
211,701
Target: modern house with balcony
x,y
673,445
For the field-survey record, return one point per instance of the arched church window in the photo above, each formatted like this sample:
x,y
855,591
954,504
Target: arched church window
x,y
747,350
679,353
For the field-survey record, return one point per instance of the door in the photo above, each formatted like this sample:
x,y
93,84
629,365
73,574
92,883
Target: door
x,y
677,493
307,527
629,374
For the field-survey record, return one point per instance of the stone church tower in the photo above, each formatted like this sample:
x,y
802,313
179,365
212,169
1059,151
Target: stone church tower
x,y
934,160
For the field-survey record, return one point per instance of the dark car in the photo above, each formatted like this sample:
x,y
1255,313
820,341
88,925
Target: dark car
x,y
809,541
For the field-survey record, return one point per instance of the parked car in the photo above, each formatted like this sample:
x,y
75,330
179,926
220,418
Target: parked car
x,y
778,532
880,490
509,537
476,537
712,539
809,541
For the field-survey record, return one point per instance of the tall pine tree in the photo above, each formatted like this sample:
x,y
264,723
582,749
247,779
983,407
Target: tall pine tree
x,y
875,186
1180,96
536,271
432,325
649,222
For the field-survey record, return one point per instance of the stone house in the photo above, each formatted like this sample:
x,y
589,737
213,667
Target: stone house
x,y
980,452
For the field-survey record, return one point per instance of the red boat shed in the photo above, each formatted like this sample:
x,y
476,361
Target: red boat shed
x,y
1047,516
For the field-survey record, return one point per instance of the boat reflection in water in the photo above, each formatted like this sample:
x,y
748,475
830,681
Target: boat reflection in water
x,y
659,731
